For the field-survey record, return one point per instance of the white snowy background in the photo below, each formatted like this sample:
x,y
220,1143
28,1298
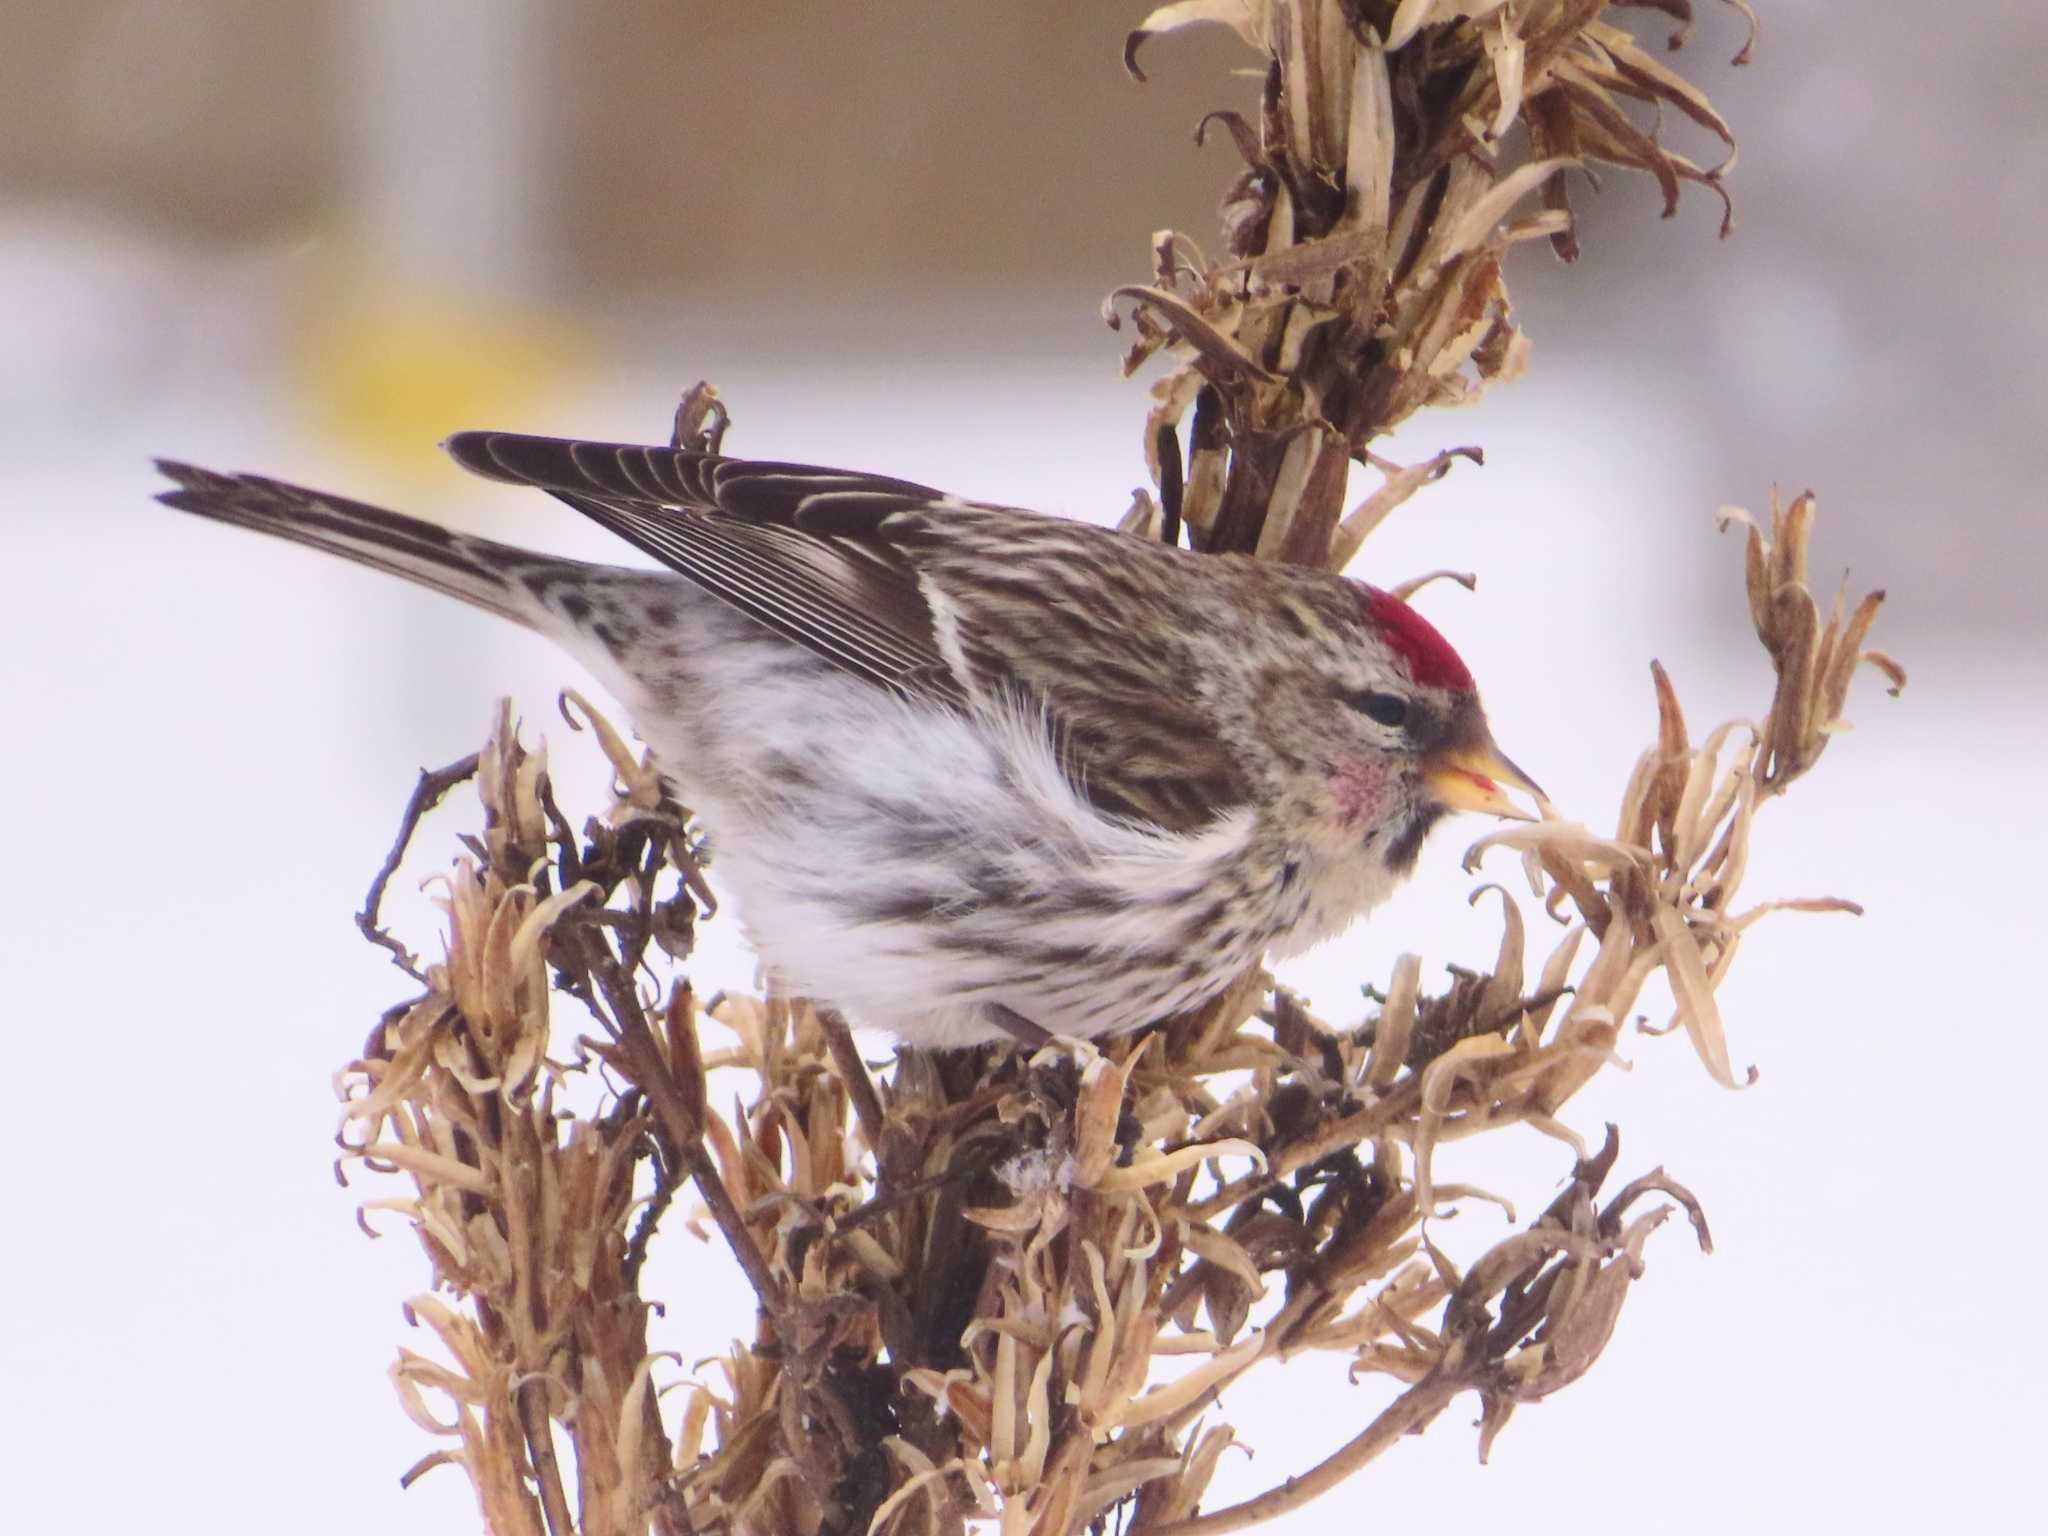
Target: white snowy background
x,y
208,738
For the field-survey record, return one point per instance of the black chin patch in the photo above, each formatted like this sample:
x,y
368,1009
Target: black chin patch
x,y
1406,847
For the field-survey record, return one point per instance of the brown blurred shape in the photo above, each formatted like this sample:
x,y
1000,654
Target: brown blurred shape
x,y
919,140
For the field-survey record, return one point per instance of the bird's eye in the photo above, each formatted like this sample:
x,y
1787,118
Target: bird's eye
x,y
1389,709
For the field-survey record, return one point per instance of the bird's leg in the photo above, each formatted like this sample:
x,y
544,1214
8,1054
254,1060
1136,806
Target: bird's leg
x,y
1023,1030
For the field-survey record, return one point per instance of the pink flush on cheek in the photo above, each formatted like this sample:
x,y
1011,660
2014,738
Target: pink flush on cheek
x,y
1356,790
1428,655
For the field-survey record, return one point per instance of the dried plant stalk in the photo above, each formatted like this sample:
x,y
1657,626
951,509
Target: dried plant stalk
x,y
1385,180
1011,1289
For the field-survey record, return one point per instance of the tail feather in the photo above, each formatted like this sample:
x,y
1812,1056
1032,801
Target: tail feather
x,y
495,577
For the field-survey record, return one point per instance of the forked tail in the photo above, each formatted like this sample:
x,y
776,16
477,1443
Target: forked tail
x,y
495,577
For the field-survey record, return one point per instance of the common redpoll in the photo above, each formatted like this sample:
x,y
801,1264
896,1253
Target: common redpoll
x,y
967,770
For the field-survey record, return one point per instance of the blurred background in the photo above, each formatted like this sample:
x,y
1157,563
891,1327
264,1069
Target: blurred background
x,y
313,239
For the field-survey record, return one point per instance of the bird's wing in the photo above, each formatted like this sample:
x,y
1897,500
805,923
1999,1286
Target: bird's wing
x,y
1103,630
762,537
924,593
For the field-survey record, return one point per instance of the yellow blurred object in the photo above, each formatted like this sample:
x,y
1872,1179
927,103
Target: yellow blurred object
x,y
390,371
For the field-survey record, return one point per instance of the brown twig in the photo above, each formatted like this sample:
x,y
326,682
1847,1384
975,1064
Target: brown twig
x,y
860,1088
641,1059
426,794
1406,1415
540,1450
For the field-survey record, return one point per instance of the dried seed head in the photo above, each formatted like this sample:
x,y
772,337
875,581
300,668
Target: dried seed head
x,y
969,1274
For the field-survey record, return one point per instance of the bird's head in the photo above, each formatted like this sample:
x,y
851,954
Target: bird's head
x,y
1371,727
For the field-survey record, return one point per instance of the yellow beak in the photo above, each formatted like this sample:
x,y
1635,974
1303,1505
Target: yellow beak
x,y
1468,777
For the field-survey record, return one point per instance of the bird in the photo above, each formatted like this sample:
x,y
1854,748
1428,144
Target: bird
x,y
967,772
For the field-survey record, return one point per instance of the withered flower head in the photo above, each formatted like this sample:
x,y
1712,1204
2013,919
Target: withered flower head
x,y
1017,1288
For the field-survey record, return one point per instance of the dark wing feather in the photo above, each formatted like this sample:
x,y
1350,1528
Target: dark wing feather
x,y
840,563
795,548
